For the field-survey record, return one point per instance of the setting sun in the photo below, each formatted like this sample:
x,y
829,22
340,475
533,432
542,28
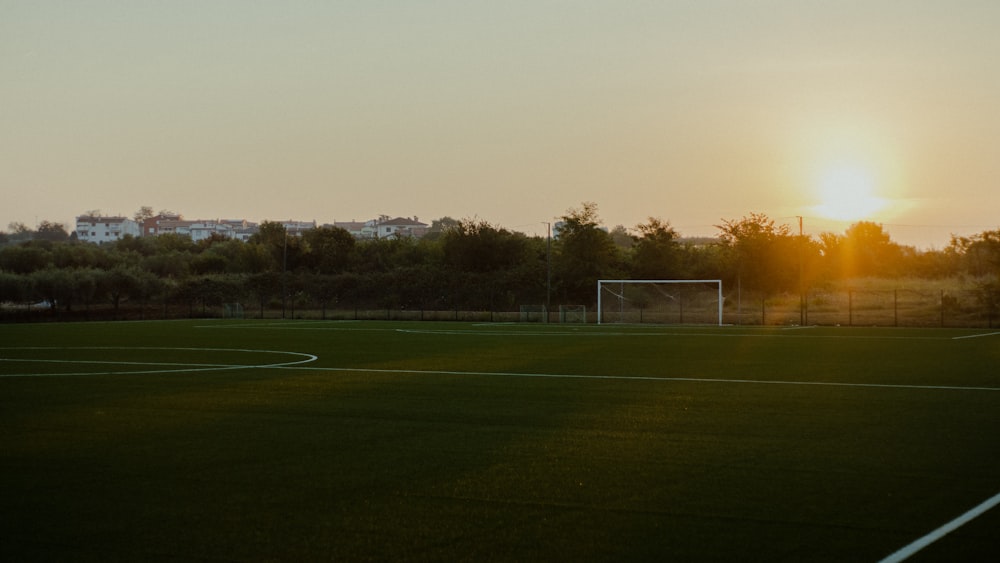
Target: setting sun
x,y
848,193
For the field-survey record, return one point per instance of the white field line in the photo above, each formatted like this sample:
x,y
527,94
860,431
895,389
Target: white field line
x,y
783,332
582,331
187,367
578,332
911,549
975,335
641,378
112,363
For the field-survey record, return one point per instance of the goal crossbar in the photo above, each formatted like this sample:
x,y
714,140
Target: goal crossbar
x,y
602,283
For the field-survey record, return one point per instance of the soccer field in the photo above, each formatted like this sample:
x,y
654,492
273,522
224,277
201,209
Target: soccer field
x,y
312,440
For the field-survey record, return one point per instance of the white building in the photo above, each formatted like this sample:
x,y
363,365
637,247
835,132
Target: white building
x,y
356,228
296,228
400,227
98,230
242,229
201,229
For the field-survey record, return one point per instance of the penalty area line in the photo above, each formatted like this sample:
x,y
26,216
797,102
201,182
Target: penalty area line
x,y
911,549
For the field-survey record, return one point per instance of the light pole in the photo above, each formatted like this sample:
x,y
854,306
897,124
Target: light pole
x,y
284,273
548,268
802,285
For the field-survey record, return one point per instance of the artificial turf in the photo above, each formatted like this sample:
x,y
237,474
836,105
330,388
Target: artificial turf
x,y
453,441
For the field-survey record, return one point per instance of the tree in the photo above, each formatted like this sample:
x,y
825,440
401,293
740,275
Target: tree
x,y
284,250
14,288
477,246
870,250
144,212
255,259
24,259
117,284
980,253
763,255
655,254
54,232
584,254
168,264
439,227
329,249
54,286
208,263
386,254
19,232
85,285
263,286
174,242
621,237
864,249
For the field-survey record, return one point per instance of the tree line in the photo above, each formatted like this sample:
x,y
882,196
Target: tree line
x,y
466,264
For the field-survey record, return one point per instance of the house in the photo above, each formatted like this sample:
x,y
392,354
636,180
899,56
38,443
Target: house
x,y
296,228
356,228
242,229
400,227
98,229
151,226
200,229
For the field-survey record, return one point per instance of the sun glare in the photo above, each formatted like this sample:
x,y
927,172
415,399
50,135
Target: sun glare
x,y
848,193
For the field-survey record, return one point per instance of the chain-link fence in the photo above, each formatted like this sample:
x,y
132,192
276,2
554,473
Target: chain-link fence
x,y
857,307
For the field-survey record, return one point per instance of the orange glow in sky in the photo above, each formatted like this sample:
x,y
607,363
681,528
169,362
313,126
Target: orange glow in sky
x,y
512,112
848,193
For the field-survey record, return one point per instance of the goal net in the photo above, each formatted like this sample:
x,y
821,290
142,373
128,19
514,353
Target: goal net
x,y
533,314
232,311
573,313
659,301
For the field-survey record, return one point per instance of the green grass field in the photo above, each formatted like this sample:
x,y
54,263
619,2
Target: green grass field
x,y
311,440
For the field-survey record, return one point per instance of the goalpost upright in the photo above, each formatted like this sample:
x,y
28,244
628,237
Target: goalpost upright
x,y
623,283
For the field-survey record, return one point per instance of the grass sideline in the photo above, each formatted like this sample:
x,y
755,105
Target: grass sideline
x,y
308,440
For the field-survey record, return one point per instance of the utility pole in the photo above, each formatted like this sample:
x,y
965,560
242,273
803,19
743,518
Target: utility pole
x,y
802,288
284,273
548,269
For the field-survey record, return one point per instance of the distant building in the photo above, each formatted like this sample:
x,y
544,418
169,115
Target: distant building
x,y
151,226
241,228
99,230
400,227
296,228
356,228
200,229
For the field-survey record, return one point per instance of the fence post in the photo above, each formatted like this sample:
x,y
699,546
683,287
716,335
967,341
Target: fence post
x,y
850,308
805,308
942,308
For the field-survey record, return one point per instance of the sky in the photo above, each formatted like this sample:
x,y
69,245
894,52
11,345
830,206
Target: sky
x,y
512,112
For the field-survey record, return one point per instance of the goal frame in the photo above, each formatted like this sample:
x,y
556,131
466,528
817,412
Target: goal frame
x,y
600,310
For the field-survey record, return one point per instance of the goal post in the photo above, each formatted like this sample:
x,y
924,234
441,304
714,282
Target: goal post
x,y
659,301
